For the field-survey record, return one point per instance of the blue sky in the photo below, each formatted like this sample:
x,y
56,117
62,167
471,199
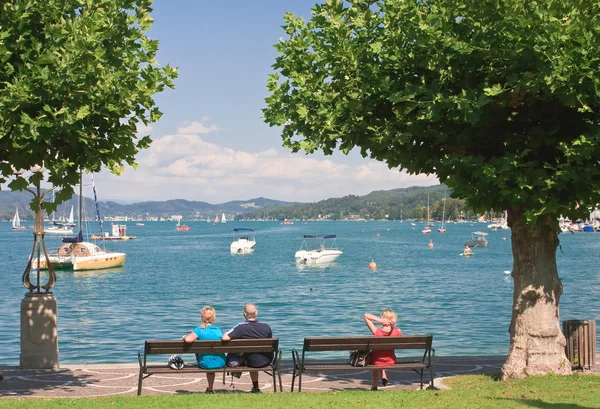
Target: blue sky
x,y
211,143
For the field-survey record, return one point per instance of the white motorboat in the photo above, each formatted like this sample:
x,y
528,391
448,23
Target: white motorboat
x,y
477,239
58,228
244,241
321,255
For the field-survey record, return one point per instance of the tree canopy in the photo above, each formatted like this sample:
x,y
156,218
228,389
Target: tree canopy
x,y
499,99
77,78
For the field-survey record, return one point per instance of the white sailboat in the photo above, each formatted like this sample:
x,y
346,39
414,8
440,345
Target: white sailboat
x,y
76,254
427,230
223,220
71,220
442,229
16,222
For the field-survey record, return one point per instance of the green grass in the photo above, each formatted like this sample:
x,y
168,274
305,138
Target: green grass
x,y
476,391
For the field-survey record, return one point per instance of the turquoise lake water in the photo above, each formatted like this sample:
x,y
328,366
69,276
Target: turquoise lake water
x,y
465,303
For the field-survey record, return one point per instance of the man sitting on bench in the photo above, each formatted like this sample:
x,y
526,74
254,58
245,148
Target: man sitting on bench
x,y
251,328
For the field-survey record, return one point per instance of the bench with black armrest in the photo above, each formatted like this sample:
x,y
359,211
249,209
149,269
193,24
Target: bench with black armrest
x,y
370,343
240,346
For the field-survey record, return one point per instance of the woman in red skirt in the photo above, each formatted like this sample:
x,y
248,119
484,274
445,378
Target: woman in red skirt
x,y
388,328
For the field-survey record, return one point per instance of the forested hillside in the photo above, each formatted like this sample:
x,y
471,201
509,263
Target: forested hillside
x,y
383,204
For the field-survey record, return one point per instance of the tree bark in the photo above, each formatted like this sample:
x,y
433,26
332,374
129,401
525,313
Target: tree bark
x,y
537,346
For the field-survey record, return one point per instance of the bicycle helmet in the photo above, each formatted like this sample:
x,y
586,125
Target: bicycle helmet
x,y
176,362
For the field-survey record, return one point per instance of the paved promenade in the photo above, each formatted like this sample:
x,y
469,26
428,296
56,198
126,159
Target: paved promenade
x,y
121,379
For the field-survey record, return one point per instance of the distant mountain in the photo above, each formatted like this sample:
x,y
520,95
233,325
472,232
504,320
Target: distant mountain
x,y
188,209
393,204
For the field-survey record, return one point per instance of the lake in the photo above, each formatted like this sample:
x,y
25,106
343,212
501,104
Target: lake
x,y
465,303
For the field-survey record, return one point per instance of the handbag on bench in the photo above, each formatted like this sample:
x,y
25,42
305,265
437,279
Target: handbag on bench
x,y
360,358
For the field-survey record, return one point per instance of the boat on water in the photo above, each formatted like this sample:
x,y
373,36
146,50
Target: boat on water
x,y
287,221
223,219
71,221
477,239
119,232
427,230
244,241
139,224
58,228
182,227
216,218
77,255
443,229
16,222
326,252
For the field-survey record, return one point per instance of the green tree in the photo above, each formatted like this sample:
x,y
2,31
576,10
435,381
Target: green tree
x,y
498,98
77,77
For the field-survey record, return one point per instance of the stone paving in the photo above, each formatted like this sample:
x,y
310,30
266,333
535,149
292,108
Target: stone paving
x,y
121,379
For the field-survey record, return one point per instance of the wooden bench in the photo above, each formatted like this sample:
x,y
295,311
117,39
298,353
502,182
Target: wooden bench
x,y
246,346
411,342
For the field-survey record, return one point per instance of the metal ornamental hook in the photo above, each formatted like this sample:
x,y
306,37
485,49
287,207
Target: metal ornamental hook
x,y
39,245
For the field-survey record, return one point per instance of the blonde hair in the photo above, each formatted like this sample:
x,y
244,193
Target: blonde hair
x,y
389,315
209,316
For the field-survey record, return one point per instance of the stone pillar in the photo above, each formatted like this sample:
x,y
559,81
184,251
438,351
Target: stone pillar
x,y
39,331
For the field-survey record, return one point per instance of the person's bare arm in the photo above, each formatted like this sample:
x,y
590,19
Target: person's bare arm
x,y
225,337
369,318
189,338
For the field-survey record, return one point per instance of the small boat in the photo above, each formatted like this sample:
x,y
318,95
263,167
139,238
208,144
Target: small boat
x,y
477,239
442,229
76,254
216,218
182,227
71,221
119,232
321,255
286,221
58,228
16,223
223,219
244,241
427,230
139,224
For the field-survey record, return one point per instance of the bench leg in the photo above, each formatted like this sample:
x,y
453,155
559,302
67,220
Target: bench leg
x,y
300,382
421,379
431,376
274,382
293,379
280,383
140,380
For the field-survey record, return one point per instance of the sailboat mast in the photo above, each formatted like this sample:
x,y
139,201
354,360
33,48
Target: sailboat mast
x,y
80,203
97,208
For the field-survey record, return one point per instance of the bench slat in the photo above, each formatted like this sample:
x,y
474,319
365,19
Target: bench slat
x,y
362,343
344,367
212,347
190,368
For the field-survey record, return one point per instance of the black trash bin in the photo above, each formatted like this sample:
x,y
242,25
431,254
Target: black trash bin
x,y
581,342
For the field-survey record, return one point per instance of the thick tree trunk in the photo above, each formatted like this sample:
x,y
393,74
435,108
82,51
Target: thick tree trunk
x,y
537,346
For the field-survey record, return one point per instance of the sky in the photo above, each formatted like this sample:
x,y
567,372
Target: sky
x,y
211,144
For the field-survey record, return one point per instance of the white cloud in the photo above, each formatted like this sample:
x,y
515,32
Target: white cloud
x,y
143,130
197,128
187,167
